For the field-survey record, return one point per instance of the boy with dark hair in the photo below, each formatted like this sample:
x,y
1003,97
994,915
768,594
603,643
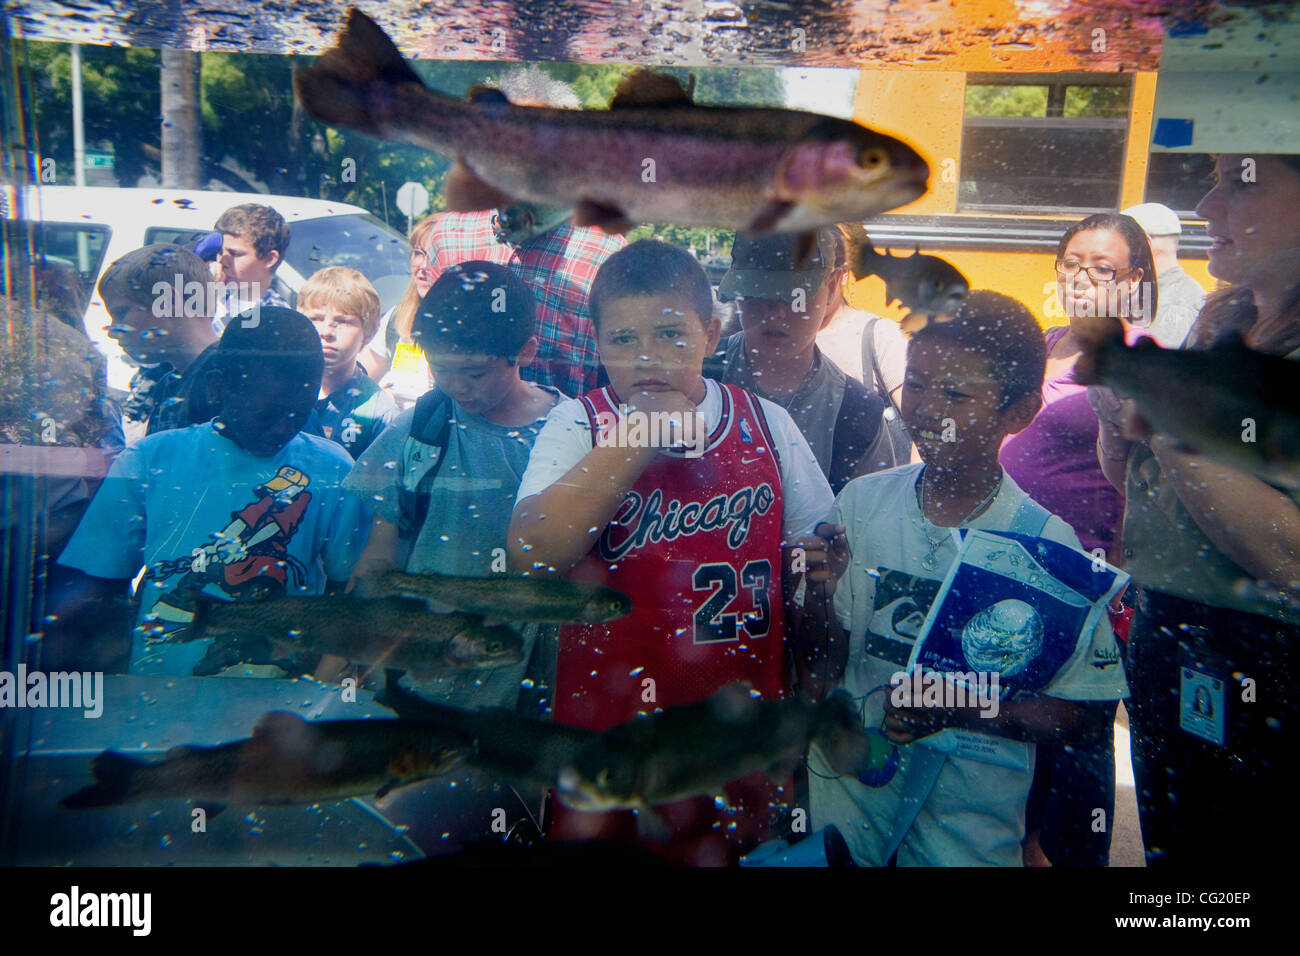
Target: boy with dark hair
x,y
239,508
782,309
161,303
970,383
689,523
253,243
442,478
352,410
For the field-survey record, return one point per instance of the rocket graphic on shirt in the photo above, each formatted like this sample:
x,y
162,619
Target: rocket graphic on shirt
x,y
248,558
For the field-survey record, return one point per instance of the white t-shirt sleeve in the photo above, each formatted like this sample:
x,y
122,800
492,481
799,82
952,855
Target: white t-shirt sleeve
x,y
379,343
1093,672
806,496
564,441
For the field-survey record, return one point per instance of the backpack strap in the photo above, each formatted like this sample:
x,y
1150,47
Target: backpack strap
x,y
424,452
869,343
856,429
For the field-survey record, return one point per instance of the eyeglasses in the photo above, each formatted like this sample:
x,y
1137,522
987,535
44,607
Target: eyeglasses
x,y
1070,268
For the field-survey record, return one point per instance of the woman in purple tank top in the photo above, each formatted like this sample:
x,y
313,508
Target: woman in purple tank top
x,y
1103,267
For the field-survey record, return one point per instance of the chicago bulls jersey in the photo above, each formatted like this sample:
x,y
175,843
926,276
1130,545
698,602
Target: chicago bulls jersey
x,y
696,545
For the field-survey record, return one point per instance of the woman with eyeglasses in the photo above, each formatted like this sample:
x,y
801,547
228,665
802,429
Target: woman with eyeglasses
x,y
1103,267
395,326
1215,555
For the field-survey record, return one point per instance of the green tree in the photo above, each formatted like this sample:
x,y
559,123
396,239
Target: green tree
x,y
1006,100
1105,101
120,100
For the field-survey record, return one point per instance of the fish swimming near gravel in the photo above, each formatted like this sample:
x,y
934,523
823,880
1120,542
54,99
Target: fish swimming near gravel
x,y
696,749
391,632
653,156
927,286
509,598
287,760
1229,403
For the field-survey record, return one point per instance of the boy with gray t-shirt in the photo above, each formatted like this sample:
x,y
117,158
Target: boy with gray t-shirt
x,y
445,507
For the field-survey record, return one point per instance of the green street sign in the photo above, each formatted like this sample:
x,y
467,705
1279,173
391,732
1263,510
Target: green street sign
x,y
98,159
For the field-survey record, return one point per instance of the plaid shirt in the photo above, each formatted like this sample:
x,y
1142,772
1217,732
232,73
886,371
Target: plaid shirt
x,y
229,303
559,267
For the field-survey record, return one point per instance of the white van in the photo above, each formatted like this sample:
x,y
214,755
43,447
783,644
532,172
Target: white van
x,y
92,226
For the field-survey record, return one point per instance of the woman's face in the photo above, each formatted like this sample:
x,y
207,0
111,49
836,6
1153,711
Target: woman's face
x,y
1081,295
421,271
1250,216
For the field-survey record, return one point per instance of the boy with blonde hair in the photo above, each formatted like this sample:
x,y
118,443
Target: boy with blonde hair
x,y
352,410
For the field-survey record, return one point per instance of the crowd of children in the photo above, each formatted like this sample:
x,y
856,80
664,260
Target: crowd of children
x,y
774,533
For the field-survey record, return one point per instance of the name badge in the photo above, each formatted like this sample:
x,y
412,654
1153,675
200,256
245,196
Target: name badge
x,y
1202,705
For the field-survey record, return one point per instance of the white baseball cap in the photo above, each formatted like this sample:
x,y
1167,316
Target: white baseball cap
x,y
1155,219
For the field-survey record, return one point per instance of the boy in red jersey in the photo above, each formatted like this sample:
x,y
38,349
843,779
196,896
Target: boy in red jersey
x,y
679,492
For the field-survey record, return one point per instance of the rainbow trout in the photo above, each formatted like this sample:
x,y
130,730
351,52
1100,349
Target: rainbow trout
x,y
1229,403
653,156
696,749
387,632
529,754
288,760
509,598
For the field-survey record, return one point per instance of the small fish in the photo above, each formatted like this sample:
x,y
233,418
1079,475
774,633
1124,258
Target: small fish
x,y
509,598
389,632
696,749
529,754
288,760
1229,403
929,287
653,156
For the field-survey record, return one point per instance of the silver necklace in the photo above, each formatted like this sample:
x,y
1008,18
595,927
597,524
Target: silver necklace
x,y
930,562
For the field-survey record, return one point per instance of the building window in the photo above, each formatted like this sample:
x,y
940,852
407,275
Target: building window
x,y
1179,180
1043,143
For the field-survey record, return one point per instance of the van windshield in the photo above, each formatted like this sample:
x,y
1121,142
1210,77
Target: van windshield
x,y
359,242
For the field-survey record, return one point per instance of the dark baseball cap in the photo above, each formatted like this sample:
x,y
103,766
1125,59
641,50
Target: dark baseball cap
x,y
764,268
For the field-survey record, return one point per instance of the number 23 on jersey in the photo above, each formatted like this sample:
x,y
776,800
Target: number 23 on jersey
x,y
727,614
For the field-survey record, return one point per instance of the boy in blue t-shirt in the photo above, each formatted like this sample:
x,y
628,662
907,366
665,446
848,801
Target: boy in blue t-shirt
x,y
239,508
